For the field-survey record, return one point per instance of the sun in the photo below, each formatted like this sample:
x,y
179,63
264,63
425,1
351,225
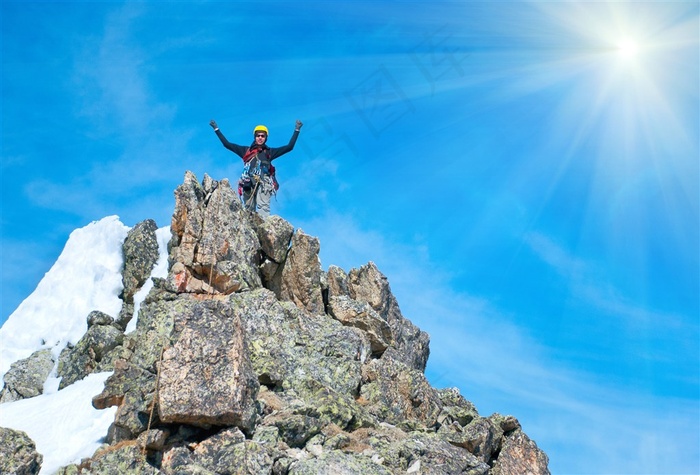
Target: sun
x,y
628,48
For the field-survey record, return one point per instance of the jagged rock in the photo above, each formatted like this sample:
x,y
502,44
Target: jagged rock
x,y
288,347
368,284
124,459
26,377
153,439
520,455
337,282
227,452
308,372
336,462
18,453
301,274
455,408
98,318
275,234
480,437
206,377
74,363
131,389
362,316
398,394
212,239
140,251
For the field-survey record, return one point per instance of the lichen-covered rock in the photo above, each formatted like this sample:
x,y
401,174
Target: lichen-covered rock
x,y
124,459
206,377
249,358
140,250
336,462
18,453
368,284
74,363
275,234
480,437
398,394
213,241
455,408
520,456
426,453
26,377
301,274
362,316
287,346
227,452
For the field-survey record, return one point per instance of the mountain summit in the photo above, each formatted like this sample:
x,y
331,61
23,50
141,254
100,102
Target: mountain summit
x,y
248,358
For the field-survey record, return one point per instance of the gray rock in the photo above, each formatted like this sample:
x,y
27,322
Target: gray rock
x,y
74,363
18,453
520,455
98,318
288,347
336,462
140,250
410,344
362,316
275,235
206,377
301,274
480,437
227,452
425,453
338,282
26,377
399,395
455,409
249,359
213,240
124,459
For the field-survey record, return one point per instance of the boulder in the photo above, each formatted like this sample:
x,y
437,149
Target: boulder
x,y
336,462
26,377
213,242
362,316
520,455
301,274
92,351
399,395
140,250
249,358
367,284
206,377
18,453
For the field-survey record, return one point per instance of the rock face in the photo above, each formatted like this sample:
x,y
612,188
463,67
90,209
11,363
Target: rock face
x,y
250,359
18,453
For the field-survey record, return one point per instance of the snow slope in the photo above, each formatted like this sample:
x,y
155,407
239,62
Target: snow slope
x,y
86,277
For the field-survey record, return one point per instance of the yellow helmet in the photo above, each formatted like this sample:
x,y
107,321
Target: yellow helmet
x,y
260,128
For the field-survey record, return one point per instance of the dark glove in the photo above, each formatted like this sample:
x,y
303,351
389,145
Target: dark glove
x,y
213,124
298,125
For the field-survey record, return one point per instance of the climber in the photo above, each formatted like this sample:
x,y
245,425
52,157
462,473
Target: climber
x,y
258,182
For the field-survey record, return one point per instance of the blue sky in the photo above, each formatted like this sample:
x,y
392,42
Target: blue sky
x,y
525,174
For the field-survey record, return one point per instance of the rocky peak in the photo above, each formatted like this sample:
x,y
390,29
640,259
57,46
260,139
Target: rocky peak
x,y
249,358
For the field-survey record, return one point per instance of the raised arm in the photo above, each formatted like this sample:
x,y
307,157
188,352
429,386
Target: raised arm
x,y
278,151
235,148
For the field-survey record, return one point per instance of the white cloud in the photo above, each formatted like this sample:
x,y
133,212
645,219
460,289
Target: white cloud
x,y
584,422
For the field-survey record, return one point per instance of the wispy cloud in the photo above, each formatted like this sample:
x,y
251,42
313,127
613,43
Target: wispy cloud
x,y
586,284
594,425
